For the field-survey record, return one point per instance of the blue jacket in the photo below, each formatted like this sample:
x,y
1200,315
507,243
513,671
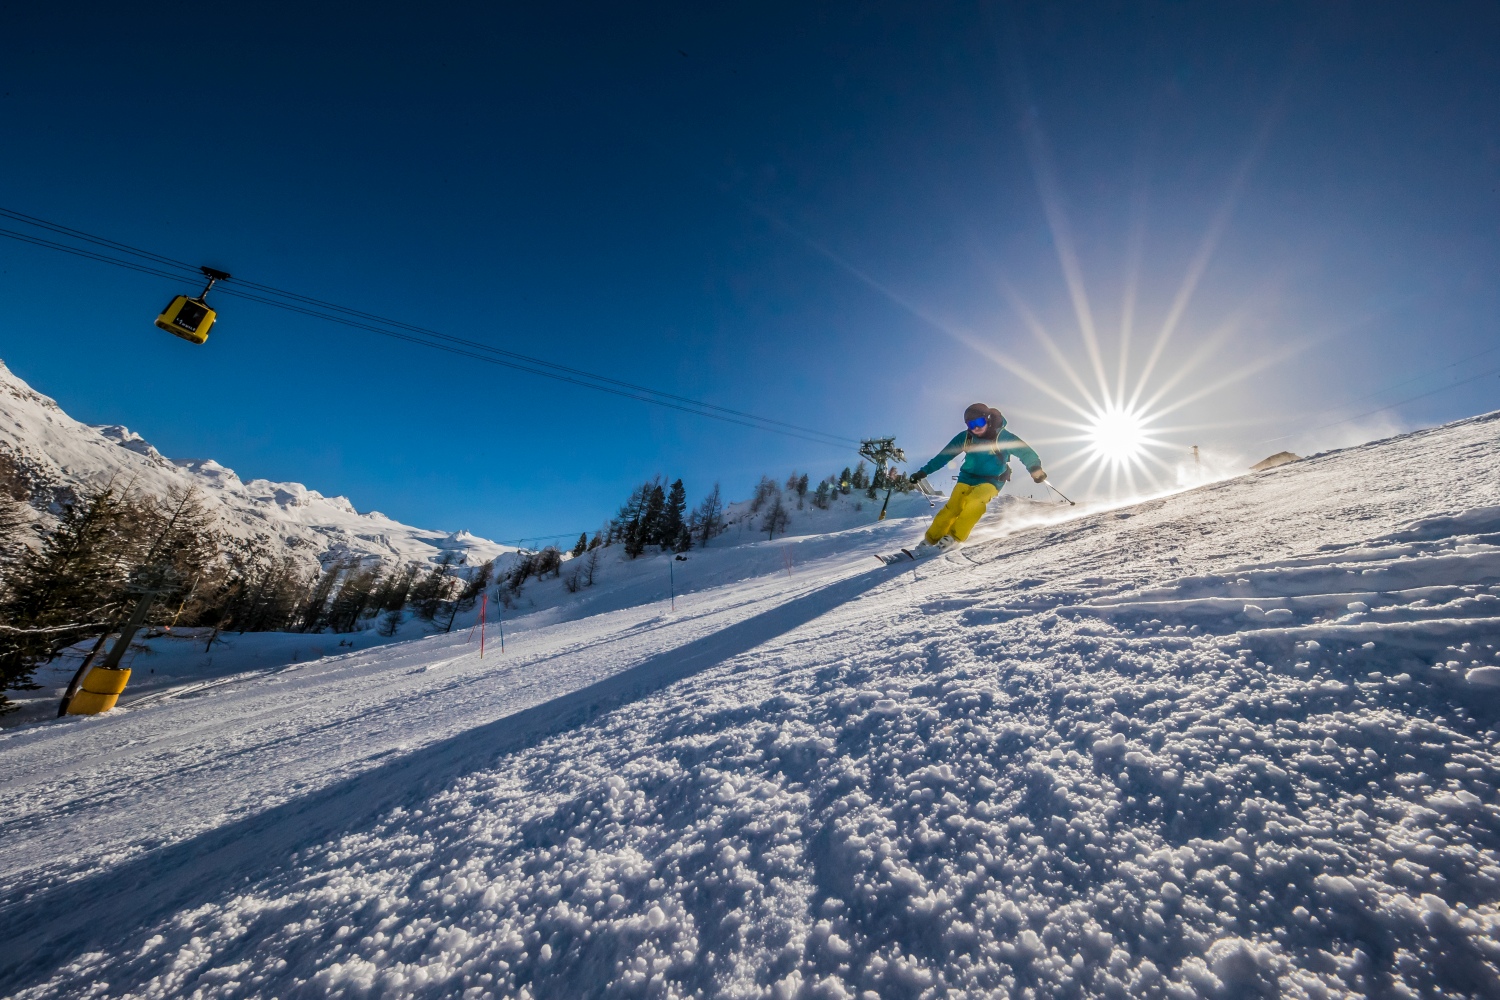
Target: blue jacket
x,y
987,459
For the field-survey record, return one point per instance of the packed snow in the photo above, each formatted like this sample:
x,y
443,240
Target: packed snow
x,y
46,456
1237,741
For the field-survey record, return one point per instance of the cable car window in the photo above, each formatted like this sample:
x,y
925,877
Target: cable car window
x,y
190,316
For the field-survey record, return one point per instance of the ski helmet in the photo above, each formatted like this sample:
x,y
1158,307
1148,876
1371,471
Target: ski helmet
x,y
992,416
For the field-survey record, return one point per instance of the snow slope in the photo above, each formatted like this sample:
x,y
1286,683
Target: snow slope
x,y
47,454
1239,741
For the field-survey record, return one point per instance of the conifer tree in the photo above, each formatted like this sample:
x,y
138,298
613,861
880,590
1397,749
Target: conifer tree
x,y
777,518
74,583
629,513
846,480
764,491
395,588
820,498
427,597
16,520
582,546
635,538
654,516
802,485
355,598
710,516
674,517
315,609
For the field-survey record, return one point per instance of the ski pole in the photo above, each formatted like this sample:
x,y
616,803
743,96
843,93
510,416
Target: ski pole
x,y
885,505
1059,492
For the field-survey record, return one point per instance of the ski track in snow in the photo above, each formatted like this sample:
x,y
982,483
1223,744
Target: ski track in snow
x,y
1240,741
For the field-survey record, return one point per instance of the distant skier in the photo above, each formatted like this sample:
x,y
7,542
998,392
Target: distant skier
x,y
987,447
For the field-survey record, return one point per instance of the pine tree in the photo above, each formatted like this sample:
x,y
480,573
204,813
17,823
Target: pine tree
x,y
861,479
73,584
16,519
314,613
474,584
184,554
710,516
764,491
428,596
846,480
582,546
635,538
654,517
802,485
820,498
777,518
629,513
674,518
355,598
394,589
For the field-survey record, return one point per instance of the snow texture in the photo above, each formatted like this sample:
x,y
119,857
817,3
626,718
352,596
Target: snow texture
x,y
48,456
1239,741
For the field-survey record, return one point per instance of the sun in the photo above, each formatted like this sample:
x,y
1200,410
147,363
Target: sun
x,y
1117,436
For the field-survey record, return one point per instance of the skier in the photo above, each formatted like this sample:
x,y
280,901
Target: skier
x,y
987,447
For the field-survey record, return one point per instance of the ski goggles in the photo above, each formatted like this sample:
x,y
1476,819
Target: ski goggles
x,y
977,423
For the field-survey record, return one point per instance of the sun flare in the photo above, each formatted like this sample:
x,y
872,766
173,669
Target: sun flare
x,y
1117,436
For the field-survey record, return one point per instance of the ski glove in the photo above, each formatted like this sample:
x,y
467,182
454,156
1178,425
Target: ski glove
x,y
1038,475
918,476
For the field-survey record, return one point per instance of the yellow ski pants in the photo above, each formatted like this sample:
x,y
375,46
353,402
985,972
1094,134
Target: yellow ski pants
x,y
963,510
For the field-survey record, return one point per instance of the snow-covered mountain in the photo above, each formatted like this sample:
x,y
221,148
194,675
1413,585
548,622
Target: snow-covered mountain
x,y
45,454
1240,741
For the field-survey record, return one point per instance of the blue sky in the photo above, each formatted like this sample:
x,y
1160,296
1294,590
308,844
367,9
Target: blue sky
x,y
837,215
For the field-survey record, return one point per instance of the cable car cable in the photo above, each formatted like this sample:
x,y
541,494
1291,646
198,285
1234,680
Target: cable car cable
x,y
461,346
476,345
90,254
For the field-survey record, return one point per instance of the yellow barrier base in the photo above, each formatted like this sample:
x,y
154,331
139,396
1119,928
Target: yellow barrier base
x,y
99,691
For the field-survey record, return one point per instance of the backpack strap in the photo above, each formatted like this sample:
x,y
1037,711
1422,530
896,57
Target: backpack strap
x,y
991,446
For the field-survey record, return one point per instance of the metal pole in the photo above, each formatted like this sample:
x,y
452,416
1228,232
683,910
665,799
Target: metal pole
x,y
1059,492
137,619
672,581
83,668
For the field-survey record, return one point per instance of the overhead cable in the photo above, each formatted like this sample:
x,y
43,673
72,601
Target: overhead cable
x,y
148,262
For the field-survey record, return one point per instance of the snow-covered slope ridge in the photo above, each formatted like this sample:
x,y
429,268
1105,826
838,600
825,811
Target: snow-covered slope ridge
x,y
44,453
1234,742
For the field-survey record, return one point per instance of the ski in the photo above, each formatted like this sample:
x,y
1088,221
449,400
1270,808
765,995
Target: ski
x,y
922,552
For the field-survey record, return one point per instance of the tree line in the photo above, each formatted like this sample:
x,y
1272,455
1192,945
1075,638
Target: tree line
x,y
112,548
657,516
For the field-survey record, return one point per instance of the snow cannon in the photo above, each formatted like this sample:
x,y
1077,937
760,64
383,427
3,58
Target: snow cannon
x,y
100,690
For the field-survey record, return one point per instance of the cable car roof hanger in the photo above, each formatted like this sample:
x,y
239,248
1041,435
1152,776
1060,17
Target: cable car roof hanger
x,y
191,318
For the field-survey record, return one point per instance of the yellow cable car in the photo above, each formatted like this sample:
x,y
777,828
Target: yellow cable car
x,y
191,318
